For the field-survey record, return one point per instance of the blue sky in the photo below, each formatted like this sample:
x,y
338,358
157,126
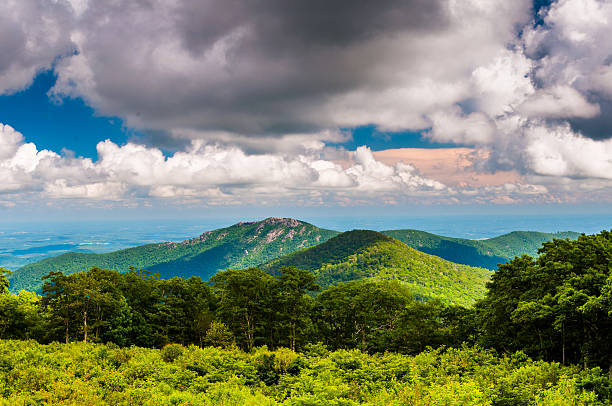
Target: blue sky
x,y
109,108
73,125
55,125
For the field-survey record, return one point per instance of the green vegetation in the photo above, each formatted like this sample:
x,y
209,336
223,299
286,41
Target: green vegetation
x,y
97,374
245,307
541,335
239,246
363,254
487,253
556,307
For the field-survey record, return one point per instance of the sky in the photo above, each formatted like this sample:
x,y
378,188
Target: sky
x,y
152,107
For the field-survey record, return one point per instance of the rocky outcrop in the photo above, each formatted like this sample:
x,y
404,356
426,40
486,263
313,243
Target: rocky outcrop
x,y
274,234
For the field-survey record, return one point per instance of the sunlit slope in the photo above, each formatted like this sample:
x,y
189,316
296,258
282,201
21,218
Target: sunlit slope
x,y
239,246
482,253
363,254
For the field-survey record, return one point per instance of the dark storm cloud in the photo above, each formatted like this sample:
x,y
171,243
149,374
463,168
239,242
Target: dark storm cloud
x,y
275,66
291,26
295,54
599,127
32,34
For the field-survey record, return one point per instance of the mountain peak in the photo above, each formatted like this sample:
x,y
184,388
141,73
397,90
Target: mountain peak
x,y
288,222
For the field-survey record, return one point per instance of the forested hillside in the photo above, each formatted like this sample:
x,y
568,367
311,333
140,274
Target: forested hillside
x,y
363,254
239,246
481,253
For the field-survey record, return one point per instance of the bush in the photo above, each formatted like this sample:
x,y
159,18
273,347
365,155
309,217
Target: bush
x,y
171,352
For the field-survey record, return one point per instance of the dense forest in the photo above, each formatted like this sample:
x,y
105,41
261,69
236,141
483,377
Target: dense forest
x,y
280,337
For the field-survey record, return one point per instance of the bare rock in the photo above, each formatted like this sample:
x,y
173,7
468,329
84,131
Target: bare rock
x,y
274,234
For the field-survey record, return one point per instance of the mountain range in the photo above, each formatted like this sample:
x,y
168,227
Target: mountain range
x,y
433,265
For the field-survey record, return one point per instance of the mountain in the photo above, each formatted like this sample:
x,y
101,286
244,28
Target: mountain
x,y
481,253
363,254
239,246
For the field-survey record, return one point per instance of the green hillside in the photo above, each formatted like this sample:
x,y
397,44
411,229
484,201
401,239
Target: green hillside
x,y
239,246
481,253
363,254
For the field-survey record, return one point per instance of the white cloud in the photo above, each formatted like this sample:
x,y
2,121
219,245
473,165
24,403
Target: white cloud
x,y
558,102
560,152
454,127
210,172
502,84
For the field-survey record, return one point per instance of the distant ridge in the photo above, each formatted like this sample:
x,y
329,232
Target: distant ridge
x,y
242,245
481,253
364,254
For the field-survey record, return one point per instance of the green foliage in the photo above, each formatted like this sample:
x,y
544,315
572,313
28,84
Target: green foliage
x,y
247,300
242,245
218,335
131,308
362,254
480,253
557,307
361,314
171,352
97,374
4,282
246,307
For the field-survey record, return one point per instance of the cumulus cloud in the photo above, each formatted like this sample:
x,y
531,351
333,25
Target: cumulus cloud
x,y
206,171
233,85
272,67
214,174
33,33
455,127
571,53
542,106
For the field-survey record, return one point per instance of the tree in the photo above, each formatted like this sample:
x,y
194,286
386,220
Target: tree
x,y
420,325
142,296
247,304
4,283
184,310
295,305
89,299
218,335
361,313
58,302
557,307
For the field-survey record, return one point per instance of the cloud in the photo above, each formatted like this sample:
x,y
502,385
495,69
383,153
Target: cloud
x,y
559,102
571,53
207,171
560,152
233,85
212,174
33,33
270,68
453,126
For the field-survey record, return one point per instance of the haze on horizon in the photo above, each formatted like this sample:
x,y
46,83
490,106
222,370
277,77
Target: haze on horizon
x,y
227,105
